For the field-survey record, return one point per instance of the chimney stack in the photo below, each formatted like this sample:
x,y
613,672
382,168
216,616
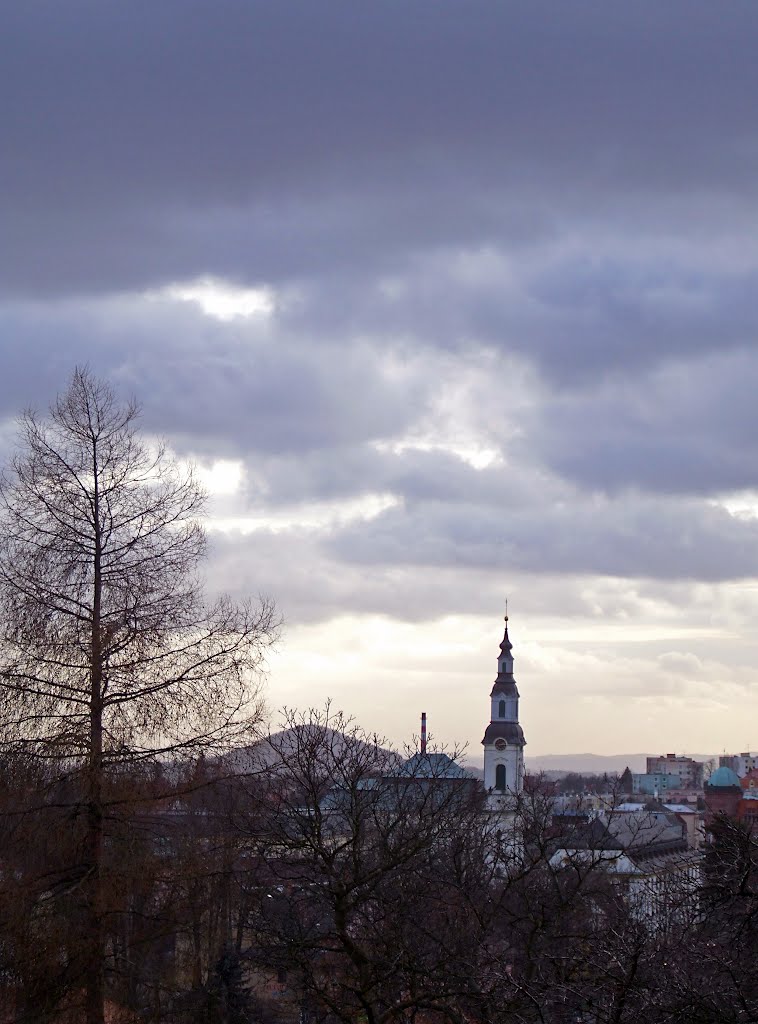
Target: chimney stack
x,y
423,732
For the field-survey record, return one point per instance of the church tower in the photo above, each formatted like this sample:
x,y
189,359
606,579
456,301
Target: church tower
x,y
504,739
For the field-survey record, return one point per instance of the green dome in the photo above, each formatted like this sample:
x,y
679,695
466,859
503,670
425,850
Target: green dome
x,y
724,777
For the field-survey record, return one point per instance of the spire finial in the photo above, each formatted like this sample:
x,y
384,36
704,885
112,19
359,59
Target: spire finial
x,y
506,639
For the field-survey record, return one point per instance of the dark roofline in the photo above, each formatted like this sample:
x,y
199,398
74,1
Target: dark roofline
x,y
505,684
511,732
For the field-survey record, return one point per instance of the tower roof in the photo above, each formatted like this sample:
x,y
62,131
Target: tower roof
x,y
506,646
505,685
511,732
435,765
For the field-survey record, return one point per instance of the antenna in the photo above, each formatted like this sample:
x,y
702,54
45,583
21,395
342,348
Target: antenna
x,y
423,732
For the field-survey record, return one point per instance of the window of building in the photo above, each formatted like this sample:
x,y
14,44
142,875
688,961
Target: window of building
x,y
500,777
501,709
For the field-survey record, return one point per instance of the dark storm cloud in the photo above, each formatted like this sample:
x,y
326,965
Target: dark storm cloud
x,y
145,142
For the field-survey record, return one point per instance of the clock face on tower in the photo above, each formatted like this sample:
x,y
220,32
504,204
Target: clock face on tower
x,y
500,744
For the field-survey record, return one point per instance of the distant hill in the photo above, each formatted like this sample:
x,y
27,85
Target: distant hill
x,y
267,751
260,755
595,764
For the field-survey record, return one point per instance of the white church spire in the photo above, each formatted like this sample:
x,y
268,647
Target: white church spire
x,y
504,738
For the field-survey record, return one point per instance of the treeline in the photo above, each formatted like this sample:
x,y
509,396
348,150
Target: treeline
x,y
329,884
583,782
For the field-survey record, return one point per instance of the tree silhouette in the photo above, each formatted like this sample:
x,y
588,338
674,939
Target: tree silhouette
x,y
109,654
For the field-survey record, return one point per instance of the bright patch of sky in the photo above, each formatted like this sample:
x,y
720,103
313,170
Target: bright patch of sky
x,y
475,455
740,504
224,476
222,299
309,515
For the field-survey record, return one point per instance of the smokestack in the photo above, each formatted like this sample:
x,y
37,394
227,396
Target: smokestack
x,y
423,732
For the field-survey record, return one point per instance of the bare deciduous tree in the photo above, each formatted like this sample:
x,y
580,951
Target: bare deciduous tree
x,y
109,653
374,874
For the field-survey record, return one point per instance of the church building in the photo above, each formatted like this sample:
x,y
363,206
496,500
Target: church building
x,y
504,738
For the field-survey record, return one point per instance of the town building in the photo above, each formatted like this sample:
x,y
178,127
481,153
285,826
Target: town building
x,y
655,783
726,793
690,772
504,740
740,764
648,856
687,815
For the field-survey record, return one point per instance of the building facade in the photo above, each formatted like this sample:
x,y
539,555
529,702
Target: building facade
x,y
655,784
741,764
690,772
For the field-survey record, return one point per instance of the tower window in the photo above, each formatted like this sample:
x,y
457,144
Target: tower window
x,y
500,777
501,709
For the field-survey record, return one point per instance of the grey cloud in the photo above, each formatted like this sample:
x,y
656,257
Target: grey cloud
x,y
633,538
303,408
220,388
310,585
686,427
412,474
689,427
319,575
594,156
126,126
577,310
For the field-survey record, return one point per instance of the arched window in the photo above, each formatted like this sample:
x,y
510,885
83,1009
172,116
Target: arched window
x,y
501,709
500,777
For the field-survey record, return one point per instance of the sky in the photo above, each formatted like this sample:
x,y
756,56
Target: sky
x,y
451,304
